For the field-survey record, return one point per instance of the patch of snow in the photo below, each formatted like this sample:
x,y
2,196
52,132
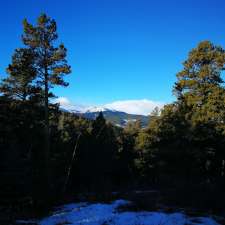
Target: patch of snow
x,y
96,109
129,120
107,214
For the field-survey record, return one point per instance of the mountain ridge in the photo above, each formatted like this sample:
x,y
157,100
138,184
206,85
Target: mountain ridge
x,y
118,118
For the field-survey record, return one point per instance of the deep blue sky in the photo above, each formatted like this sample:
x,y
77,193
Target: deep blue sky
x,y
119,49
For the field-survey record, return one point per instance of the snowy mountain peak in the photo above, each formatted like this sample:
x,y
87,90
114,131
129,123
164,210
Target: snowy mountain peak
x,y
135,107
96,109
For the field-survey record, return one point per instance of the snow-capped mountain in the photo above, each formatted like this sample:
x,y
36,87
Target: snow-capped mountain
x,y
117,118
136,107
118,112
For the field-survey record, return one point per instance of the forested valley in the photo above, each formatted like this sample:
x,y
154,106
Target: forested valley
x,y
48,156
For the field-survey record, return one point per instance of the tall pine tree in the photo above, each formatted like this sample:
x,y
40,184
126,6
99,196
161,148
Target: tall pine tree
x,y
50,63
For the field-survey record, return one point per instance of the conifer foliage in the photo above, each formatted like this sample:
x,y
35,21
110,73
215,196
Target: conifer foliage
x,y
22,73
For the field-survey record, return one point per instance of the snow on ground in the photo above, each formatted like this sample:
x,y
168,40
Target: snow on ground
x,y
107,214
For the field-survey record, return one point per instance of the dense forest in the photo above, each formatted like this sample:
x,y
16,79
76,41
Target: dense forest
x,y
47,154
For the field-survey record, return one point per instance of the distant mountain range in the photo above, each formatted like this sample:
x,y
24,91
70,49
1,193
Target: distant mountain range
x,y
117,118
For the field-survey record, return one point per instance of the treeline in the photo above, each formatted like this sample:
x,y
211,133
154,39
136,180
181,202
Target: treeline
x,y
47,153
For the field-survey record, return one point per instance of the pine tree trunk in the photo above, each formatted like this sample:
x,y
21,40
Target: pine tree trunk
x,y
47,136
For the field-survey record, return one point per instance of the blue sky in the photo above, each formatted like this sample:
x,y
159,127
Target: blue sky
x,y
118,49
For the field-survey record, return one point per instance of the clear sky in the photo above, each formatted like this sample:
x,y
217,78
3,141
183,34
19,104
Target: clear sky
x,y
118,49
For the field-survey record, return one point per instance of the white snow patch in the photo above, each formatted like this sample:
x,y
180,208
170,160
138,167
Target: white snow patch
x,y
96,109
107,214
129,121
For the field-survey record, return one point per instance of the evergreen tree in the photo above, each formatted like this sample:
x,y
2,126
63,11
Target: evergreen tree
x,y
201,74
50,61
103,152
20,82
201,98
